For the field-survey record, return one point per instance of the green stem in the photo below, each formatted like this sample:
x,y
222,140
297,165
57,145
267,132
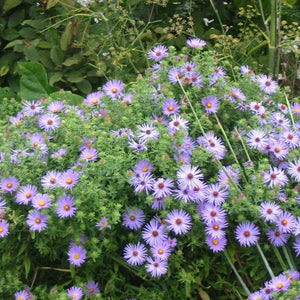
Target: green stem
x,y
280,259
288,258
263,17
230,147
289,108
218,16
236,273
243,144
265,261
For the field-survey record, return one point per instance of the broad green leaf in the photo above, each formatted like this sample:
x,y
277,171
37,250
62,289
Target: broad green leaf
x,y
4,70
290,2
28,33
56,55
71,98
84,86
27,265
33,82
74,76
31,53
55,78
51,3
9,4
10,34
74,60
16,18
66,37
13,43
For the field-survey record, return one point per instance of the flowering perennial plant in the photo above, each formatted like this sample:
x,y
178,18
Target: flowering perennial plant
x,y
185,169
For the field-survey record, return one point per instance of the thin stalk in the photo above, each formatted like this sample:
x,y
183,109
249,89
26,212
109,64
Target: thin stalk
x,y
265,261
263,17
218,16
289,108
288,258
280,259
230,147
244,146
204,135
236,273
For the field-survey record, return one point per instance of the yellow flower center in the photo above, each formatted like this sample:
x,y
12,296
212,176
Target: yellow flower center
x,y
95,101
76,256
277,149
41,203
216,227
247,233
66,207
35,144
170,107
9,185
215,242
160,251
114,90
284,222
89,156
103,223
208,104
279,286
1,229
38,220
28,195
69,180
145,169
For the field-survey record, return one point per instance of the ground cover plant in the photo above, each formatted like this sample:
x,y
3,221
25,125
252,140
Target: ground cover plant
x,y
184,183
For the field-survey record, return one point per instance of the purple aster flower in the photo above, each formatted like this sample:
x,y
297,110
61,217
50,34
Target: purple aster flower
x,y
135,255
143,166
49,122
103,223
37,140
296,108
293,275
275,177
17,120
186,194
4,228
247,234
65,207
41,201
158,203
21,295
286,222
218,73
215,229
227,174
294,170
162,187
127,99
280,283
113,88
276,237
133,218
177,123
92,288
172,242
55,106
296,245
195,79
235,94
143,182
216,244
279,149
156,267
170,107
31,108
257,108
123,132
266,84
210,104
158,53
195,43
179,221
89,154
188,176
257,139
154,233
296,229
175,75
245,70
161,250
189,67
50,179
255,296
147,132
87,143
9,185
76,255
212,144
2,204
75,292
211,213
269,211
216,194
59,153
93,99
139,146
37,221
291,138
68,179
25,194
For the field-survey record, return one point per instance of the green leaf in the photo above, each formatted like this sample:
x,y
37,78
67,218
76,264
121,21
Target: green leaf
x,y
74,76
13,43
56,55
33,83
203,295
290,2
74,60
66,37
84,86
16,18
55,78
31,53
51,3
27,265
71,98
10,34
9,4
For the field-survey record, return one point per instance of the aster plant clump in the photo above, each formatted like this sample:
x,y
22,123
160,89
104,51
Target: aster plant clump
x,y
184,183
